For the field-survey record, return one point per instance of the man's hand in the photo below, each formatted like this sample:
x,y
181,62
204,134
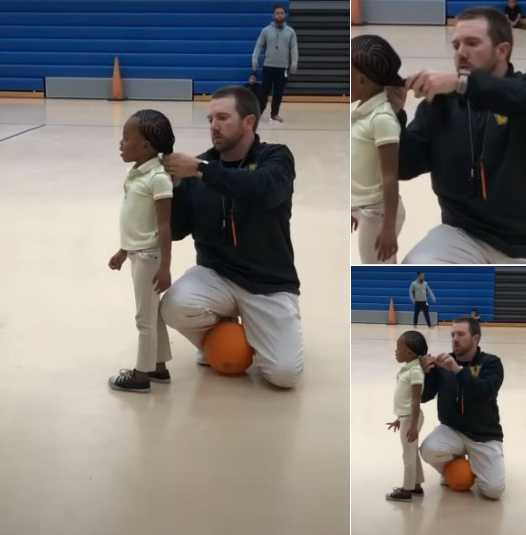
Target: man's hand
x,y
354,223
386,244
447,362
118,259
255,65
429,84
180,165
428,363
395,424
412,434
293,69
397,97
162,280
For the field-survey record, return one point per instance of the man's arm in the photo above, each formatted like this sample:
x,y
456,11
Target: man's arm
x,y
412,292
430,292
272,180
415,143
430,385
258,49
486,385
294,55
180,222
505,96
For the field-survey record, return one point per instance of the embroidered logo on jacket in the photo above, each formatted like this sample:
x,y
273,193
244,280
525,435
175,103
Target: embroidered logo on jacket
x,y
501,119
475,370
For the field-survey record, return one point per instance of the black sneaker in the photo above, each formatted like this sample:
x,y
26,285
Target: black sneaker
x,y
126,382
419,493
159,377
398,496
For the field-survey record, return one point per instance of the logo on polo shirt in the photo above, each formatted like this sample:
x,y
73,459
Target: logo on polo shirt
x,y
475,370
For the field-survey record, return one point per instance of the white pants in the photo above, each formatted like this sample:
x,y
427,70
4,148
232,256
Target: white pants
x,y
154,344
201,299
451,245
413,472
370,222
485,458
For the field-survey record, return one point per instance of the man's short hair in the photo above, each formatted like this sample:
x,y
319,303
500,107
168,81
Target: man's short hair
x,y
419,273
277,6
474,325
246,102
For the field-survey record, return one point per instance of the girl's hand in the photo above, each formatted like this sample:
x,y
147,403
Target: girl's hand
x,y
118,259
162,280
354,223
386,244
395,424
412,434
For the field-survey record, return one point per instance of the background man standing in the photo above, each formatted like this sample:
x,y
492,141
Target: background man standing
x,y
418,294
279,42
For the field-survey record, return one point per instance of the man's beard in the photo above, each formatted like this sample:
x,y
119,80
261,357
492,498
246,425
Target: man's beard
x,y
224,145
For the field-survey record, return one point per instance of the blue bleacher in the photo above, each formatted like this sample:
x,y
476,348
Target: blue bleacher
x,y
457,289
209,41
456,7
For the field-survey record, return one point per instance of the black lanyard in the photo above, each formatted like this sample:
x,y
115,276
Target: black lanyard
x,y
478,171
229,215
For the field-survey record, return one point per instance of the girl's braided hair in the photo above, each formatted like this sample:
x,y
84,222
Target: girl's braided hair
x,y
376,58
415,342
155,127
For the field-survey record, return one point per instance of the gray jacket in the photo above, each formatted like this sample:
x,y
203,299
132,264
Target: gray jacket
x,y
280,45
418,291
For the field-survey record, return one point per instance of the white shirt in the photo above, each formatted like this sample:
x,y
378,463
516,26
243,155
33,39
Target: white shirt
x,y
373,124
143,186
409,375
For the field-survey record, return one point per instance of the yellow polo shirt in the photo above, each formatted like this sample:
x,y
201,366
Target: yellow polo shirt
x,y
373,124
143,186
411,373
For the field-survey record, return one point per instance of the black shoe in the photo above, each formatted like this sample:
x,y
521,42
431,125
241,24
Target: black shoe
x,y
159,377
419,493
398,496
126,382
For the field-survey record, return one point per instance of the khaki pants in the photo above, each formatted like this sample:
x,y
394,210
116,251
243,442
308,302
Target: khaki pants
x,y
154,344
451,245
413,472
370,222
201,299
485,458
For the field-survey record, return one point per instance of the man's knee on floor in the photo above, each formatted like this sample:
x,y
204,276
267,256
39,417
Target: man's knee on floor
x,y
283,376
493,491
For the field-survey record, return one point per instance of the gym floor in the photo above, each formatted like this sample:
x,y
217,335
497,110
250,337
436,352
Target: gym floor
x,y
377,464
206,455
423,47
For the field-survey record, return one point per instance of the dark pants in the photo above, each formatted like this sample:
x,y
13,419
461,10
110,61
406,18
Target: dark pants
x,y
274,80
421,305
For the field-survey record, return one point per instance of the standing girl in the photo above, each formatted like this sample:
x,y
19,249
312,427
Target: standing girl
x,y
146,240
409,384
377,211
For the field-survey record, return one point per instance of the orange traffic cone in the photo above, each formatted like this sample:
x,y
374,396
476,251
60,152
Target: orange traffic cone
x,y
116,82
391,318
356,13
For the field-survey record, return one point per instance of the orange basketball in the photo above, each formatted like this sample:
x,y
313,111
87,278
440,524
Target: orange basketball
x,y
227,350
458,475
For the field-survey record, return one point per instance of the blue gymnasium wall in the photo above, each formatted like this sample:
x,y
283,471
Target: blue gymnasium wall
x,y
457,289
209,41
455,8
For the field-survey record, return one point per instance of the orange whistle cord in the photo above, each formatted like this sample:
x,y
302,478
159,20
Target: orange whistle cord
x,y
233,226
483,181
